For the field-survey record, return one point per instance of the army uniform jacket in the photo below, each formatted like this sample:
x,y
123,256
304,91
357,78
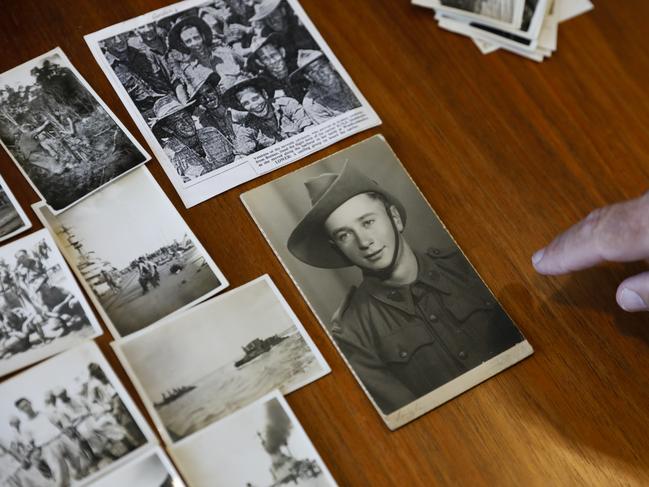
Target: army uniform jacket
x,y
406,341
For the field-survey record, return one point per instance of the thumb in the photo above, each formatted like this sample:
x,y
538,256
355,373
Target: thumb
x,y
633,293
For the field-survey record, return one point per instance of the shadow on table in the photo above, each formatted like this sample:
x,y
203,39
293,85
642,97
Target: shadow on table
x,y
594,289
585,390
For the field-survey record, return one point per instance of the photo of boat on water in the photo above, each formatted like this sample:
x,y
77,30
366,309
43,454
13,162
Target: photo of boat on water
x,y
243,345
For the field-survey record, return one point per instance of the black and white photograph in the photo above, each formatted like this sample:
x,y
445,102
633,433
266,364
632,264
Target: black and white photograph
x,y
60,134
242,344
227,90
151,469
524,39
262,445
13,219
133,253
67,421
42,309
405,308
505,13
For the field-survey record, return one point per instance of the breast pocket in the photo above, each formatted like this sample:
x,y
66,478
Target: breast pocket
x,y
399,347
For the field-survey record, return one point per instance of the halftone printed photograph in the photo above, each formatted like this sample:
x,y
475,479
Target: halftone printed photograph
x,y
64,139
505,13
415,323
227,91
133,253
261,445
243,344
67,421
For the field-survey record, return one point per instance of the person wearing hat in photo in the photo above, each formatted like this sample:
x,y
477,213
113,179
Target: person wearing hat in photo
x,y
268,119
327,95
277,17
193,152
132,71
210,111
193,49
268,60
417,319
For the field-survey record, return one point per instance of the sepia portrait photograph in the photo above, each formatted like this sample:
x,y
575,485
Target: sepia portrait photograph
x,y
262,445
151,469
242,345
133,253
414,321
504,13
13,220
66,421
227,90
64,139
42,309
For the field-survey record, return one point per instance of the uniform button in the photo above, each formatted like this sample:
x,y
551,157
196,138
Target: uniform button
x,y
435,251
395,296
463,355
433,275
403,354
433,318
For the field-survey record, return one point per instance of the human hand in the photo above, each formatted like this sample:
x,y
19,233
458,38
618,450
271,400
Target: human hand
x,y
616,233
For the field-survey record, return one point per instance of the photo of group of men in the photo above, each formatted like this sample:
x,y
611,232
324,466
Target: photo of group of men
x,y
40,303
63,435
226,79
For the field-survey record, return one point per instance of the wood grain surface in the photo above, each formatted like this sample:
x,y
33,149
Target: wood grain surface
x,y
508,152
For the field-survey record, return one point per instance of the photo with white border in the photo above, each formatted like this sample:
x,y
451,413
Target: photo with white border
x,y
242,344
216,111
61,135
42,309
13,219
67,421
263,444
151,469
133,253
407,311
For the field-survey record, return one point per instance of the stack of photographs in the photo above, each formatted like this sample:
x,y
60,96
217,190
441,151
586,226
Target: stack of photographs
x,y
409,314
225,92
67,422
196,368
528,28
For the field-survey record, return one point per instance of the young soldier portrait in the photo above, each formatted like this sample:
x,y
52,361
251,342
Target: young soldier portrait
x,y
404,306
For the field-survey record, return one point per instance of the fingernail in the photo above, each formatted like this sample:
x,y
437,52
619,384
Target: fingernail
x,y
631,301
538,256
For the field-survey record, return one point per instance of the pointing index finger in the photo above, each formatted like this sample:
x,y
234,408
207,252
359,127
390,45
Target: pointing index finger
x,y
618,233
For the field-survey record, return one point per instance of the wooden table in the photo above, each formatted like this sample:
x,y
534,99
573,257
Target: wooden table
x,y
508,152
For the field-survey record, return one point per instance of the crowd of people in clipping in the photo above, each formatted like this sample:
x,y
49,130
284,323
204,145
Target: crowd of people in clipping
x,y
34,310
75,433
227,79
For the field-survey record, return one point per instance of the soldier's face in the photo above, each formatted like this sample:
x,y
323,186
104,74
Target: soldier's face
x,y
208,96
118,44
192,38
321,72
147,32
362,229
277,19
182,124
253,101
272,59
25,407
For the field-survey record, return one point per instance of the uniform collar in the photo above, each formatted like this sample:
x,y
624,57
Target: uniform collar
x,y
401,297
